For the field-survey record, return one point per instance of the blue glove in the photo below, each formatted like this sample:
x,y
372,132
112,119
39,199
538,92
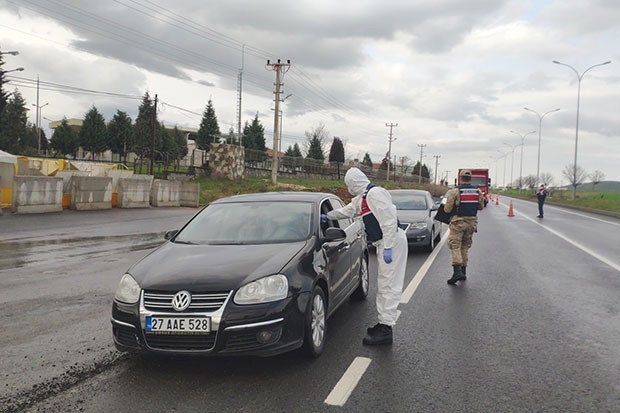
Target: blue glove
x,y
387,255
324,218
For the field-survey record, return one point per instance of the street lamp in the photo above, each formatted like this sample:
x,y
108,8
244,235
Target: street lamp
x,y
522,145
12,52
504,155
579,77
19,69
512,162
38,114
540,118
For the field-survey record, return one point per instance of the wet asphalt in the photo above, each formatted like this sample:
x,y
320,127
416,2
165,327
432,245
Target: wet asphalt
x,y
534,328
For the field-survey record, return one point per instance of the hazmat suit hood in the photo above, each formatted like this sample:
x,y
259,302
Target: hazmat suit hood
x,y
356,181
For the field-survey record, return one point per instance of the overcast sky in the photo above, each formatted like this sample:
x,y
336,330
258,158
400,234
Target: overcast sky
x,y
454,75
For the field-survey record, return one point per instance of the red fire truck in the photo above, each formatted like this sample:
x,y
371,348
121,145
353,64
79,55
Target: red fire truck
x,y
480,178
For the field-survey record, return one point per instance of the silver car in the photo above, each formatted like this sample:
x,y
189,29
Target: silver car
x,y
416,210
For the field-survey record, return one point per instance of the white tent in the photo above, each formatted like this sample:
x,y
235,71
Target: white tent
x,y
6,157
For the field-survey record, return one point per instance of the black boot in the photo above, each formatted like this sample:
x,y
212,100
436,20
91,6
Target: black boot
x,y
379,334
463,268
457,276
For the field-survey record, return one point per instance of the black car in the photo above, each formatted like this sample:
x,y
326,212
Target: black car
x,y
254,274
416,211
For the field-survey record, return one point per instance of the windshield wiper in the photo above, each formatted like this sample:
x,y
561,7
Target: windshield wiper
x,y
184,242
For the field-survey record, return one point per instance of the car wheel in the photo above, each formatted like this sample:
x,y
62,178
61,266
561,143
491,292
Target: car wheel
x,y
431,245
316,325
438,238
361,292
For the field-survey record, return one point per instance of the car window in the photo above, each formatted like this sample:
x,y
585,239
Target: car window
x,y
249,222
410,202
343,222
329,205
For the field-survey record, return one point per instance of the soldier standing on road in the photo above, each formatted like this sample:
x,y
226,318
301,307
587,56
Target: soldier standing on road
x,y
465,200
374,205
541,194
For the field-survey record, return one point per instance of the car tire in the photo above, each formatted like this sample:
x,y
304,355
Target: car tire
x,y
361,292
431,245
438,237
316,324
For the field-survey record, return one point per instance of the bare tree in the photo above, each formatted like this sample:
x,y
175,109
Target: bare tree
x,y
405,164
547,179
597,177
575,176
530,181
319,133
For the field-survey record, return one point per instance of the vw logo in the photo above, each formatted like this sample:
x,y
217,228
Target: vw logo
x,y
181,300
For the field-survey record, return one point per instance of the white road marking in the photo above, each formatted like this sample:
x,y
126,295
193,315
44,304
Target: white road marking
x,y
419,276
345,386
570,241
584,216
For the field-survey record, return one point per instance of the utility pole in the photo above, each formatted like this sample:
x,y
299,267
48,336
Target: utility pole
x,y
239,90
280,69
421,156
153,136
37,115
38,119
389,154
436,165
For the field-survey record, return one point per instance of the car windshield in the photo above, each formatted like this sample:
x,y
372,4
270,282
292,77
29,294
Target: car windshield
x,y
409,202
479,181
249,223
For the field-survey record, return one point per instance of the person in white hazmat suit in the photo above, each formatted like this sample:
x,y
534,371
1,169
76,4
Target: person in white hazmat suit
x,y
374,205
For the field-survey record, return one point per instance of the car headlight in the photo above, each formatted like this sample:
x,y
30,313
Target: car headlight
x,y
265,290
128,290
418,225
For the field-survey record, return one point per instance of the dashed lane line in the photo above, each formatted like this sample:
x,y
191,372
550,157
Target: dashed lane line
x,y
343,389
419,276
345,386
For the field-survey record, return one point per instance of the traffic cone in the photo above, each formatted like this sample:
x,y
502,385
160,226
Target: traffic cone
x,y
497,200
510,211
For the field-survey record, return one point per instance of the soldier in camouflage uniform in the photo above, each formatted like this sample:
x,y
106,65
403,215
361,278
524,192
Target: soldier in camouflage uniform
x,y
465,200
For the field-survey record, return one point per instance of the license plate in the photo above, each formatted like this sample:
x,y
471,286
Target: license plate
x,y
185,325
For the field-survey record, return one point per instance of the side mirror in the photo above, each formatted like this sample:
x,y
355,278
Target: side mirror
x,y
334,234
171,234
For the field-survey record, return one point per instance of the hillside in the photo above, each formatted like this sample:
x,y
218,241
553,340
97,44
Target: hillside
x,y
606,186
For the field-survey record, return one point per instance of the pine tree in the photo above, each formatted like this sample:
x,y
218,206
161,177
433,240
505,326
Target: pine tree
x,y
254,135
93,133
181,143
314,150
336,153
142,133
367,161
293,151
209,131
119,133
14,125
65,140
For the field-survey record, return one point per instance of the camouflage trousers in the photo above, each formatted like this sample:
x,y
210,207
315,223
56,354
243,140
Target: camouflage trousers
x,y
460,239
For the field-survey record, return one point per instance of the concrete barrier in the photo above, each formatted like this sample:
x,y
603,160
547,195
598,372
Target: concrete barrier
x,y
165,193
189,194
91,192
134,192
36,194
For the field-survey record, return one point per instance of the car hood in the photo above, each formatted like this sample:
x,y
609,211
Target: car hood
x,y
412,216
211,267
